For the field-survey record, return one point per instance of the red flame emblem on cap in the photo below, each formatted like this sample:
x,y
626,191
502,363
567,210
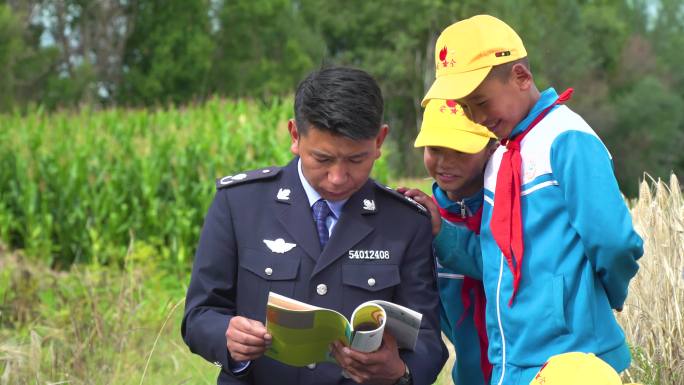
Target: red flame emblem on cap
x,y
443,53
452,106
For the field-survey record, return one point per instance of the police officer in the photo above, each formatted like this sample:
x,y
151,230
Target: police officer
x,y
320,231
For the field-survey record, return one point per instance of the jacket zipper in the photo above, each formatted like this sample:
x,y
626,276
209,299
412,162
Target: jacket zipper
x,y
463,208
498,316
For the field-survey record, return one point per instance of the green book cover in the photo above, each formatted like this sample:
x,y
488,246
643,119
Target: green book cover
x,y
302,333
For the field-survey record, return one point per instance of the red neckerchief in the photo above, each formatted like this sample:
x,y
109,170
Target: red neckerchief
x,y
506,223
476,287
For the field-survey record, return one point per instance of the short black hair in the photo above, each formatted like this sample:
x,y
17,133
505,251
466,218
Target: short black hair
x,y
502,72
340,100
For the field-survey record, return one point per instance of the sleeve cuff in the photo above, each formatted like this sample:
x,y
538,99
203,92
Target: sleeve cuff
x,y
238,367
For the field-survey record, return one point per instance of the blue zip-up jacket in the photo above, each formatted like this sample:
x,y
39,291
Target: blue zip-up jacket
x,y
456,321
580,251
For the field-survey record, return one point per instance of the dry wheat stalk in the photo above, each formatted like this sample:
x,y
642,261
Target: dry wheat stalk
x,y
653,316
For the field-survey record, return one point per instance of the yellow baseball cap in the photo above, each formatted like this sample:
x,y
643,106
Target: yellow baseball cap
x,y
466,51
445,125
576,368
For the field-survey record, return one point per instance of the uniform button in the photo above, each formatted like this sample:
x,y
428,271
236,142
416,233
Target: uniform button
x,y
371,282
321,289
216,363
311,366
268,271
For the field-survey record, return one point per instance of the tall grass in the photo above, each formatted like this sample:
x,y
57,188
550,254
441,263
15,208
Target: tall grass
x,y
84,186
653,316
92,325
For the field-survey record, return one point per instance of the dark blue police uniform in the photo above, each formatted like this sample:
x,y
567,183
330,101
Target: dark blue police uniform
x,y
381,248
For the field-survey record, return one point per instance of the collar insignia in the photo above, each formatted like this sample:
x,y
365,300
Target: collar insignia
x,y
283,194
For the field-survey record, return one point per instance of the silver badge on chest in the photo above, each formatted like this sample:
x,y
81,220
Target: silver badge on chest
x,y
279,245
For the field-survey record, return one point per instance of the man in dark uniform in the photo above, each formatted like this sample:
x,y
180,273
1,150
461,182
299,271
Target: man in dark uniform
x,y
320,231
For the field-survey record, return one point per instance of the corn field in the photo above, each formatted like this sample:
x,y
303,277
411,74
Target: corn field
x,y
90,186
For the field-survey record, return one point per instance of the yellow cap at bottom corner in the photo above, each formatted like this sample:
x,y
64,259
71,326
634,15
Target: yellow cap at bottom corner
x,y
445,125
576,368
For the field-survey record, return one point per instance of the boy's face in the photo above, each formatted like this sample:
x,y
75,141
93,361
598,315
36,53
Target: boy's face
x,y
499,103
335,166
458,173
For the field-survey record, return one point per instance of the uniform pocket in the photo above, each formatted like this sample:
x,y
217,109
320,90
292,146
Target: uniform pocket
x,y
371,278
270,267
558,290
365,282
263,272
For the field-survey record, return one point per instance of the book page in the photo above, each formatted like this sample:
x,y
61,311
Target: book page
x,y
368,325
402,322
277,300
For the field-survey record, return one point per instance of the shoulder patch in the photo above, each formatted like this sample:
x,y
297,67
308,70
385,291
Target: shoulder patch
x,y
409,201
247,176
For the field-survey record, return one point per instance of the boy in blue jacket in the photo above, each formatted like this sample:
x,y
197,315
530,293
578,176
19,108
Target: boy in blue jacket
x,y
557,248
455,154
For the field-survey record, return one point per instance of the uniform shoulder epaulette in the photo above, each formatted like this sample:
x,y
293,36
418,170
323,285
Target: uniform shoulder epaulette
x,y
247,176
409,201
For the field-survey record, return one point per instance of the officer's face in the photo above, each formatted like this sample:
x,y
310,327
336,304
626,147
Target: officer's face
x,y
336,166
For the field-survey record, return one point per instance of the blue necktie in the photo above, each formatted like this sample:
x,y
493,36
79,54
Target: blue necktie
x,y
321,210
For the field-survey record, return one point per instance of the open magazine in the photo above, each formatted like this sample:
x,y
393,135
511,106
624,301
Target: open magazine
x,y
302,333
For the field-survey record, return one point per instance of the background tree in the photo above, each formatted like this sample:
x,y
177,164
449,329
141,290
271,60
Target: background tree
x,y
167,57
90,36
264,48
24,65
11,49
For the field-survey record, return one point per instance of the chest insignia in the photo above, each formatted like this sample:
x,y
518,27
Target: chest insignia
x,y
530,172
279,245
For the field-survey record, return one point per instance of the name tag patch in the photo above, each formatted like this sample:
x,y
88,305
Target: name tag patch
x,y
369,254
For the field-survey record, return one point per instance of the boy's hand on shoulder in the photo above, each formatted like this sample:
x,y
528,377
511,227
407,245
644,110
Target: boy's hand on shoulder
x,y
425,200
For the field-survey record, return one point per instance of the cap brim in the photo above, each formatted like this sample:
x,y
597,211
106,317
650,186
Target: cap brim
x,y
455,86
462,141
